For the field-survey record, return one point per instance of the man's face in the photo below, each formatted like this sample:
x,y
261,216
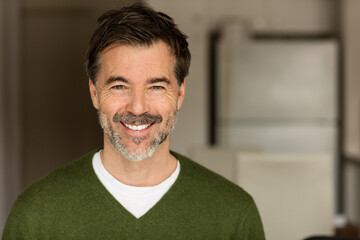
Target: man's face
x,y
137,97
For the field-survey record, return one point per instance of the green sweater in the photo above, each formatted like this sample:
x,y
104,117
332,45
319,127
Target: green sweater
x,y
71,203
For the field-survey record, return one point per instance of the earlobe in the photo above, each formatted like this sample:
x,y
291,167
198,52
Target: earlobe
x,y
93,94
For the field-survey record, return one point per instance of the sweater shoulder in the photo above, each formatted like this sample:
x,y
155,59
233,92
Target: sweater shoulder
x,y
62,179
214,185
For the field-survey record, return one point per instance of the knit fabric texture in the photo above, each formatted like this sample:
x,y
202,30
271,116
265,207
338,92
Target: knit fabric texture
x,y
71,203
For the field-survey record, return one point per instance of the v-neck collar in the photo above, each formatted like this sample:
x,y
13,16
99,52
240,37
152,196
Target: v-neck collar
x,y
166,199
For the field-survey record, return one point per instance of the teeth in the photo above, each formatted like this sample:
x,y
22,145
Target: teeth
x,y
137,127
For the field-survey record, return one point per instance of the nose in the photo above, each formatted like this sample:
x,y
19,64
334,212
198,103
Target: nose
x,y
138,103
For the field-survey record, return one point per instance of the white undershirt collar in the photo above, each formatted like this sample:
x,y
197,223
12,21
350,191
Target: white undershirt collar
x,y
137,200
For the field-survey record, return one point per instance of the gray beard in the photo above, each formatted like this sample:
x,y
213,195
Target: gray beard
x,y
137,155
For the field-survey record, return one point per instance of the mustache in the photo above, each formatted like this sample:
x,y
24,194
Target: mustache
x,y
131,118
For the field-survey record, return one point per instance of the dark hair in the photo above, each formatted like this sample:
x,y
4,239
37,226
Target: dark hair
x,y
136,25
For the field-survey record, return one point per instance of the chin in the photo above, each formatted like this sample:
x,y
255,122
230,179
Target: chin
x,y
136,155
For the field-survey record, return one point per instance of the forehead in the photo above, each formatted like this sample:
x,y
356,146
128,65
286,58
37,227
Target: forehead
x,y
137,62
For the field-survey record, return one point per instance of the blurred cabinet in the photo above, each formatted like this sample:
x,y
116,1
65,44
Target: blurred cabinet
x,y
280,16
277,95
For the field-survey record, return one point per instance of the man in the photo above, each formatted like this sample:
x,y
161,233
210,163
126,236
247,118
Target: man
x,y
135,188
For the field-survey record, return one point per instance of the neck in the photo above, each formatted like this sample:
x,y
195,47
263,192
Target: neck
x,y
148,172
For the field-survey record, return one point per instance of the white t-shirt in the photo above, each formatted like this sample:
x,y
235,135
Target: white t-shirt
x,y
137,200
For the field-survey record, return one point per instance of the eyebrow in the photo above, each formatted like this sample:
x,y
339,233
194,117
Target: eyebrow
x,y
111,80
158,80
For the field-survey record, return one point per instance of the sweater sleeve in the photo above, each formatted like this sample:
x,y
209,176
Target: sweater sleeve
x,y
251,227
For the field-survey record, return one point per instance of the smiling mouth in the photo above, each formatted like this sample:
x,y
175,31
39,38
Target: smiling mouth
x,y
137,127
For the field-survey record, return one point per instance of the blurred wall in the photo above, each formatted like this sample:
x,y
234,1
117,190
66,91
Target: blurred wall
x,y
10,105
59,122
351,38
351,41
2,138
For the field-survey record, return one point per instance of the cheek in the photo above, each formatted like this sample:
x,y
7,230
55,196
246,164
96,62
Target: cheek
x,y
111,103
104,98
165,104
169,99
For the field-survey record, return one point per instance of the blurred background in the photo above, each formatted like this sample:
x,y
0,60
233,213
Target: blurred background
x,y
272,101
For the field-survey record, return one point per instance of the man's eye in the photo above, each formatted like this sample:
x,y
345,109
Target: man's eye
x,y
119,87
157,87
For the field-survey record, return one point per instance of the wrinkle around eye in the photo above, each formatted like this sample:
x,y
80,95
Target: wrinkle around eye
x,y
105,96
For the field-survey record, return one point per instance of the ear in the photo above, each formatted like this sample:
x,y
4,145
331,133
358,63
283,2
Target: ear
x,y
181,94
93,94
